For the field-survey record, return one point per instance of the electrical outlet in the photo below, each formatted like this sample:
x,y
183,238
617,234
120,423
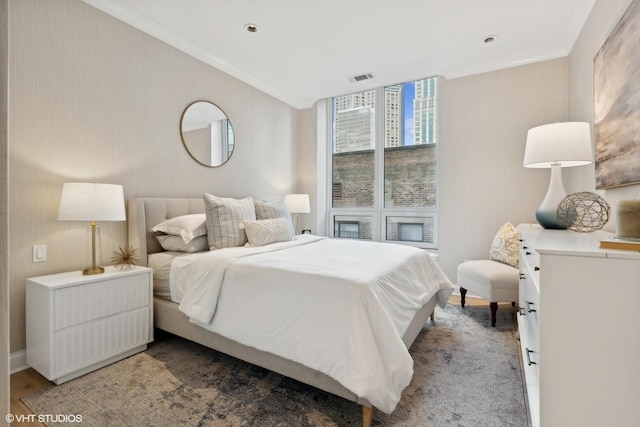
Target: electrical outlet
x,y
39,253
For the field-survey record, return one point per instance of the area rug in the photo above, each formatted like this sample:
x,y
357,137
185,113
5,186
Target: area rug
x,y
466,373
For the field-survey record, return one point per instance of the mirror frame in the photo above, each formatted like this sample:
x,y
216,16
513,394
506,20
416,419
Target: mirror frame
x,y
184,142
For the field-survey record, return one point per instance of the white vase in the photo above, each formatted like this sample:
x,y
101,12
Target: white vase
x,y
547,213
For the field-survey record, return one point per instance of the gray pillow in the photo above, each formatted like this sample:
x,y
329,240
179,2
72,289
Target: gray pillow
x,y
224,216
272,210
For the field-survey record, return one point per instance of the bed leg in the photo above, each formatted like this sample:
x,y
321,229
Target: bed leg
x,y
367,416
433,315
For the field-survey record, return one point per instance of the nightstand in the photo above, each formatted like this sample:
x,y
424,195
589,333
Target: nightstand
x,y
77,323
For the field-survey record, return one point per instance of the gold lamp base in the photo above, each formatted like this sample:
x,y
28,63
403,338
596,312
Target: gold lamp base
x,y
92,270
95,234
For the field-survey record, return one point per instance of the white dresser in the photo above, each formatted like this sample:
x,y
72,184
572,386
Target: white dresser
x,y
77,323
579,328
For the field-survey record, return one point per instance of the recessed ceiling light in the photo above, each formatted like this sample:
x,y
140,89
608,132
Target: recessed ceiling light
x,y
252,28
490,39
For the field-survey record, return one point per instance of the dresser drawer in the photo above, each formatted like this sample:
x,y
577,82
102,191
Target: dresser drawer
x,y
531,300
75,305
530,311
530,264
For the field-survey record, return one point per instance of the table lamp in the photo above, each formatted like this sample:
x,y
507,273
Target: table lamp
x,y
555,146
92,202
297,204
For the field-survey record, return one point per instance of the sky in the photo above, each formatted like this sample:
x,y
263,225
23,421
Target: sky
x,y
409,92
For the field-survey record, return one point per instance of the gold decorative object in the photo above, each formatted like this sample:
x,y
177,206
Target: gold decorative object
x,y
584,212
125,258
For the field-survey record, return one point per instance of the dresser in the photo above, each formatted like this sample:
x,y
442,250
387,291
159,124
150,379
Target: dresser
x,y
579,328
77,323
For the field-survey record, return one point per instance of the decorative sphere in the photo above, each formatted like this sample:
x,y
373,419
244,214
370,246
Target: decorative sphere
x,y
584,212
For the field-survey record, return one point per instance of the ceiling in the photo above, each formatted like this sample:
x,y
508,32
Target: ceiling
x,y
305,50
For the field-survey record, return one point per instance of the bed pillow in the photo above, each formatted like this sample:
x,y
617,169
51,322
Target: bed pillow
x,y
272,210
224,217
186,226
506,245
265,231
176,244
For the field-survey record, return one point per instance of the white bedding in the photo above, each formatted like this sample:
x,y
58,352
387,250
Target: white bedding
x,y
337,306
161,263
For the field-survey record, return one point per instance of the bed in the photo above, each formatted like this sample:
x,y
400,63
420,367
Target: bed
x,y
207,324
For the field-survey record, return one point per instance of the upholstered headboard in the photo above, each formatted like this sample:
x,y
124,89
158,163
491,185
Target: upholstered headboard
x,y
146,212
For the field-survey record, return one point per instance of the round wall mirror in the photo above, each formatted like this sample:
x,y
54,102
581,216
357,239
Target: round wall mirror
x,y
207,133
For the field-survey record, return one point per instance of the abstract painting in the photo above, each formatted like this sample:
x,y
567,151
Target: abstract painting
x,y
616,80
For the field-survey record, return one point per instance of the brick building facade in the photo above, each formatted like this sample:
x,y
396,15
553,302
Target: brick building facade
x,y
410,182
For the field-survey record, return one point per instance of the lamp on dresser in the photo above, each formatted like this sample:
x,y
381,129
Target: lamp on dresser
x,y
92,202
555,146
297,204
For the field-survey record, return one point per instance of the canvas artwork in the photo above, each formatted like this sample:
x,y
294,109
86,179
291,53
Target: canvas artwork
x,y
616,78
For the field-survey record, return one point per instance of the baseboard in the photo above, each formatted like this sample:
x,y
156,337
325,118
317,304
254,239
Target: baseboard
x,y
18,362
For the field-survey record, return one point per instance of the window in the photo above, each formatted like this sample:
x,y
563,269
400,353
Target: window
x,y
347,229
384,164
410,232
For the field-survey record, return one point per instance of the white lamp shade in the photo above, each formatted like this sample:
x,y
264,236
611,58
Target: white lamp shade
x,y
91,202
297,203
567,144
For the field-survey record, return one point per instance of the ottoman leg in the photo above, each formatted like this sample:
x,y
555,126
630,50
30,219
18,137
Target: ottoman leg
x,y
494,308
463,293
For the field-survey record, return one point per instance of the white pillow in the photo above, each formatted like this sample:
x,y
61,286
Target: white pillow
x,y
265,231
186,226
505,247
176,244
224,216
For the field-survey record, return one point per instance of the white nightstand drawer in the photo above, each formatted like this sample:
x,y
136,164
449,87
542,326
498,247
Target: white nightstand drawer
x,y
75,305
89,342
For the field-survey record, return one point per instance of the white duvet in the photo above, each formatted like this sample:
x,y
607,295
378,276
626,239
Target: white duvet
x,y
337,306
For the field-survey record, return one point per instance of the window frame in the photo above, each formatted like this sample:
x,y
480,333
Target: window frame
x,y
379,212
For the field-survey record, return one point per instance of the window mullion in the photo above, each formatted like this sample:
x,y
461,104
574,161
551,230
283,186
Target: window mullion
x,y
379,162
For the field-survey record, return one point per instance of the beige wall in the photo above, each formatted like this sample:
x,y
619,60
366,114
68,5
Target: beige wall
x,y
604,17
484,124
4,219
93,99
307,169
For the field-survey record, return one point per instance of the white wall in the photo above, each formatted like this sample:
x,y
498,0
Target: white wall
x,y
92,99
604,17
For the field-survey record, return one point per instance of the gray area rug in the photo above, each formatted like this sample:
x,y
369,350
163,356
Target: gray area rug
x,y
466,373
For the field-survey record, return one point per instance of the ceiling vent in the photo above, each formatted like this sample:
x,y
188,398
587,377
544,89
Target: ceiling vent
x,y
361,77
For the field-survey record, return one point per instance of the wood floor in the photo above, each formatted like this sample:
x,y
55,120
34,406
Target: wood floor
x,y
28,382
24,384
